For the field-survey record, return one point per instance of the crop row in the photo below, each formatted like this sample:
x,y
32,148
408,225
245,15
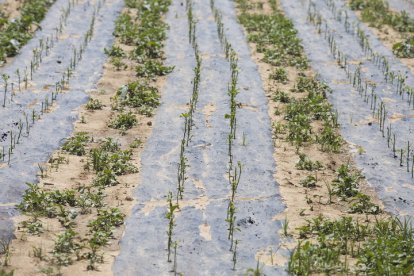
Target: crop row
x,y
106,160
395,78
16,32
188,126
28,119
354,243
22,76
234,168
366,89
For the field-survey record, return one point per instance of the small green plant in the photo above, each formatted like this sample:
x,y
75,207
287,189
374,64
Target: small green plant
x,y
136,143
347,183
286,228
171,223
107,220
93,258
139,95
94,104
105,178
115,51
33,226
281,96
152,68
124,121
309,182
280,75
118,63
305,163
110,145
362,204
76,144
65,246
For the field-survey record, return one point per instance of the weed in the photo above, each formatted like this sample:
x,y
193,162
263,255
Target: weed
x,y
110,145
123,121
33,226
93,258
38,253
382,248
305,163
279,75
347,183
152,69
118,63
105,178
115,51
107,220
65,246
286,228
139,95
136,143
76,144
309,182
94,104
281,96
330,139
362,204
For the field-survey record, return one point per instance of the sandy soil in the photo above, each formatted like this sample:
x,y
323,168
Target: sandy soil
x,y
303,203
71,174
11,8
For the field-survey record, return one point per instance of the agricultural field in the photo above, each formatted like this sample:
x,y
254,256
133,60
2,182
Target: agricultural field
x,y
206,137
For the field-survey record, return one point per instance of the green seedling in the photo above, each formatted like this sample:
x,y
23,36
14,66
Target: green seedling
x,y
124,121
305,163
76,145
94,104
171,223
309,182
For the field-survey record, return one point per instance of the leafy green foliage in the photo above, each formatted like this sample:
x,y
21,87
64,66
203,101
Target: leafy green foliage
x,y
377,13
281,96
385,247
152,69
347,183
41,202
115,51
309,182
305,163
15,33
76,144
123,121
94,104
33,226
361,204
65,246
275,37
101,228
279,75
404,49
139,95
116,162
